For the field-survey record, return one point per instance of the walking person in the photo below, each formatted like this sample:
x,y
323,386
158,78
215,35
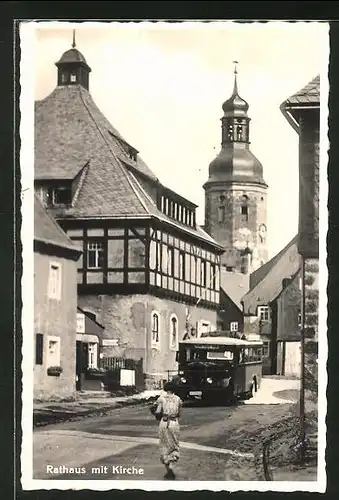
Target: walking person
x,y
168,412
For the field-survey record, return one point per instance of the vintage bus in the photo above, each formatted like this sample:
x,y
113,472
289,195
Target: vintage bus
x,y
218,369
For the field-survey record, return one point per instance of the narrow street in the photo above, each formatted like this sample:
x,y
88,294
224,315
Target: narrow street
x,y
216,442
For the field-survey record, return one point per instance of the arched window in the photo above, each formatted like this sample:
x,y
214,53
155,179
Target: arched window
x,y
230,132
174,340
155,340
244,208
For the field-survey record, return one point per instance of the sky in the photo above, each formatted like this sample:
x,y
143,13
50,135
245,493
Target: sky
x,y
162,85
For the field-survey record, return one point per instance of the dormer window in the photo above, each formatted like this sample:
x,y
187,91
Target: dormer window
x,y
73,77
132,154
61,195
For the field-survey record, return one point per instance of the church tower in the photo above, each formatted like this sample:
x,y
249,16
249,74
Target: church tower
x,y
236,193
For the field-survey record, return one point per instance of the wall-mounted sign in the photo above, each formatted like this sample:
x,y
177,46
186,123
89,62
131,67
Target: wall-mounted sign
x,y
110,342
80,323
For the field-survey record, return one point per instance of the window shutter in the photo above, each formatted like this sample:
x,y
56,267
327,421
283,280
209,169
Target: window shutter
x,y
39,345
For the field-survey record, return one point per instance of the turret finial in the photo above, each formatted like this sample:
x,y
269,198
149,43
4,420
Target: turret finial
x,y
235,88
73,44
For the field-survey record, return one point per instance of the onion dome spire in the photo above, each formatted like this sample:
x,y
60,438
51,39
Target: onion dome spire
x,y
235,162
235,105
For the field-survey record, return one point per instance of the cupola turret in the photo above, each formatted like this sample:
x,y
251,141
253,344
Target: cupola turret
x,y
73,68
235,192
235,162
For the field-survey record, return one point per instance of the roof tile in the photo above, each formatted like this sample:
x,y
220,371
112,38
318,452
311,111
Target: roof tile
x,y
235,285
266,282
47,230
71,133
310,94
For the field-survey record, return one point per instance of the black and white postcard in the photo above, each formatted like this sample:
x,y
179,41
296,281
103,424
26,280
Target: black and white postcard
x,y
174,255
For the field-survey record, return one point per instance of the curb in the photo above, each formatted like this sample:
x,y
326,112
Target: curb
x,y
43,417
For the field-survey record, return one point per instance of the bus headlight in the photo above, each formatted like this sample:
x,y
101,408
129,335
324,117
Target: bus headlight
x,y
183,380
209,380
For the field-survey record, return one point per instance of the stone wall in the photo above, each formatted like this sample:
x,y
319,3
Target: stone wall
x,y
128,319
235,228
311,304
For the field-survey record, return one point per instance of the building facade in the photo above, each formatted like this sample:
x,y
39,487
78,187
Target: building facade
x,y
262,318
234,286
148,272
55,307
302,111
288,307
236,193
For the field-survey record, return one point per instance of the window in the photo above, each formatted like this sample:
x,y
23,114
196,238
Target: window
x,y
203,273
213,276
95,254
230,132
53,351
170,261
92,355
266,349
229,268
221,215
54,281
39,348
264,313
299,320
61,195
244,212
159,257
182,266
155,341
250,355
234,326
73,78
239,132
179,213
174,333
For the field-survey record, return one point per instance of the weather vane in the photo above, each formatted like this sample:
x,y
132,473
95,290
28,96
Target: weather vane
x,y
235,67
73,44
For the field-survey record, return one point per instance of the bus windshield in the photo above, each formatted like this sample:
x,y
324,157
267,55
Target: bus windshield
x,y
204,353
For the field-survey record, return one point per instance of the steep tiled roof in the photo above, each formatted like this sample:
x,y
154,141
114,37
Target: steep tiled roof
x,y
235,285
310,94
71,133
47,230
268,280
260,273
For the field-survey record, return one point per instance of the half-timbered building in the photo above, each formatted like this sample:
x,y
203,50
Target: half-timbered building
x,y
148,271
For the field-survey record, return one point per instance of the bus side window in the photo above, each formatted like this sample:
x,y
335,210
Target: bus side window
x,y
241,356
